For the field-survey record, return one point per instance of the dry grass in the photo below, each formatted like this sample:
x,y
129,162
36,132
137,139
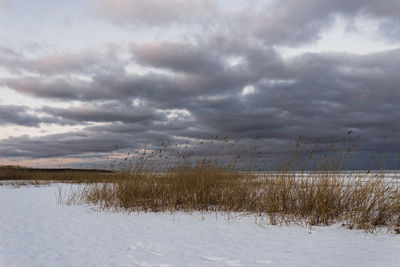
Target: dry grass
x,y
360,201
168,181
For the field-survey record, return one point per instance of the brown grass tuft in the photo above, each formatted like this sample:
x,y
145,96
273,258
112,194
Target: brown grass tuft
x,y
305,190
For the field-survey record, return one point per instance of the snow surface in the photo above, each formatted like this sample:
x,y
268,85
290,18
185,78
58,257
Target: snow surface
x,y
36,231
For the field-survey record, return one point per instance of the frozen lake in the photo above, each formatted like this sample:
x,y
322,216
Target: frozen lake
x,y
36,231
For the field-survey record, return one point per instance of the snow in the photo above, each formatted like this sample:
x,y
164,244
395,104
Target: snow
x,y
36,231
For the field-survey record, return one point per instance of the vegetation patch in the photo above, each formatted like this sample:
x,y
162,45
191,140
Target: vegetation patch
x,y
168,180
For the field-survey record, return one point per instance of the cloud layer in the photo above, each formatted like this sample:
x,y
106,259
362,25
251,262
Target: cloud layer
x,y
230,80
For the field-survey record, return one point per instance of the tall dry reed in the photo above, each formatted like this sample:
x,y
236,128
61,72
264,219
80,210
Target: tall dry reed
x,y
321,196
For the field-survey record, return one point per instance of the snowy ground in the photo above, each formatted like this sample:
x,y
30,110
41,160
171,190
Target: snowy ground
x,y
36,231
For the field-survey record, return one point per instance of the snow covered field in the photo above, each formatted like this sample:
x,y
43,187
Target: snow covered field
x,y
36,231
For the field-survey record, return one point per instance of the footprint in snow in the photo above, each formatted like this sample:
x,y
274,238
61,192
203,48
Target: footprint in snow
x,y
263,262
147,248
223,260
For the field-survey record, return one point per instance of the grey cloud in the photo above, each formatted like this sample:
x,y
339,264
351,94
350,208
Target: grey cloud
x,y
178,57
166,90
82,62
324,96
154,12
50,87
298,22
9,59
20,115
93,139
347,7
208,58
71,143
317,94
110,112
390,29
390,9
286,22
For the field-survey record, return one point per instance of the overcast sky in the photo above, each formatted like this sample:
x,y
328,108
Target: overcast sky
x,y
79,77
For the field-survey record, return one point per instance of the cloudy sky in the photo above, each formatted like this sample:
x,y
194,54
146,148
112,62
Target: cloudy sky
x,y
80,77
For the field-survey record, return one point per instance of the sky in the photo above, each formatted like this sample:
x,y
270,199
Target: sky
x,y
83,80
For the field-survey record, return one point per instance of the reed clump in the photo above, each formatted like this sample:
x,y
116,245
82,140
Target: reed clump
x,y
362,202
366,200
311,188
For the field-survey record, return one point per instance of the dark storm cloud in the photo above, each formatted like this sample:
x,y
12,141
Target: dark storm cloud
x,y
108,86
209,58
94,139
338,91
20,115
71,143
177,57
210,78
322,95
111,112
46,87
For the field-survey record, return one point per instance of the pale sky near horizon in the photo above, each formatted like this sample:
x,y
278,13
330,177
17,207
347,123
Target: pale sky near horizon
x,y
78,78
